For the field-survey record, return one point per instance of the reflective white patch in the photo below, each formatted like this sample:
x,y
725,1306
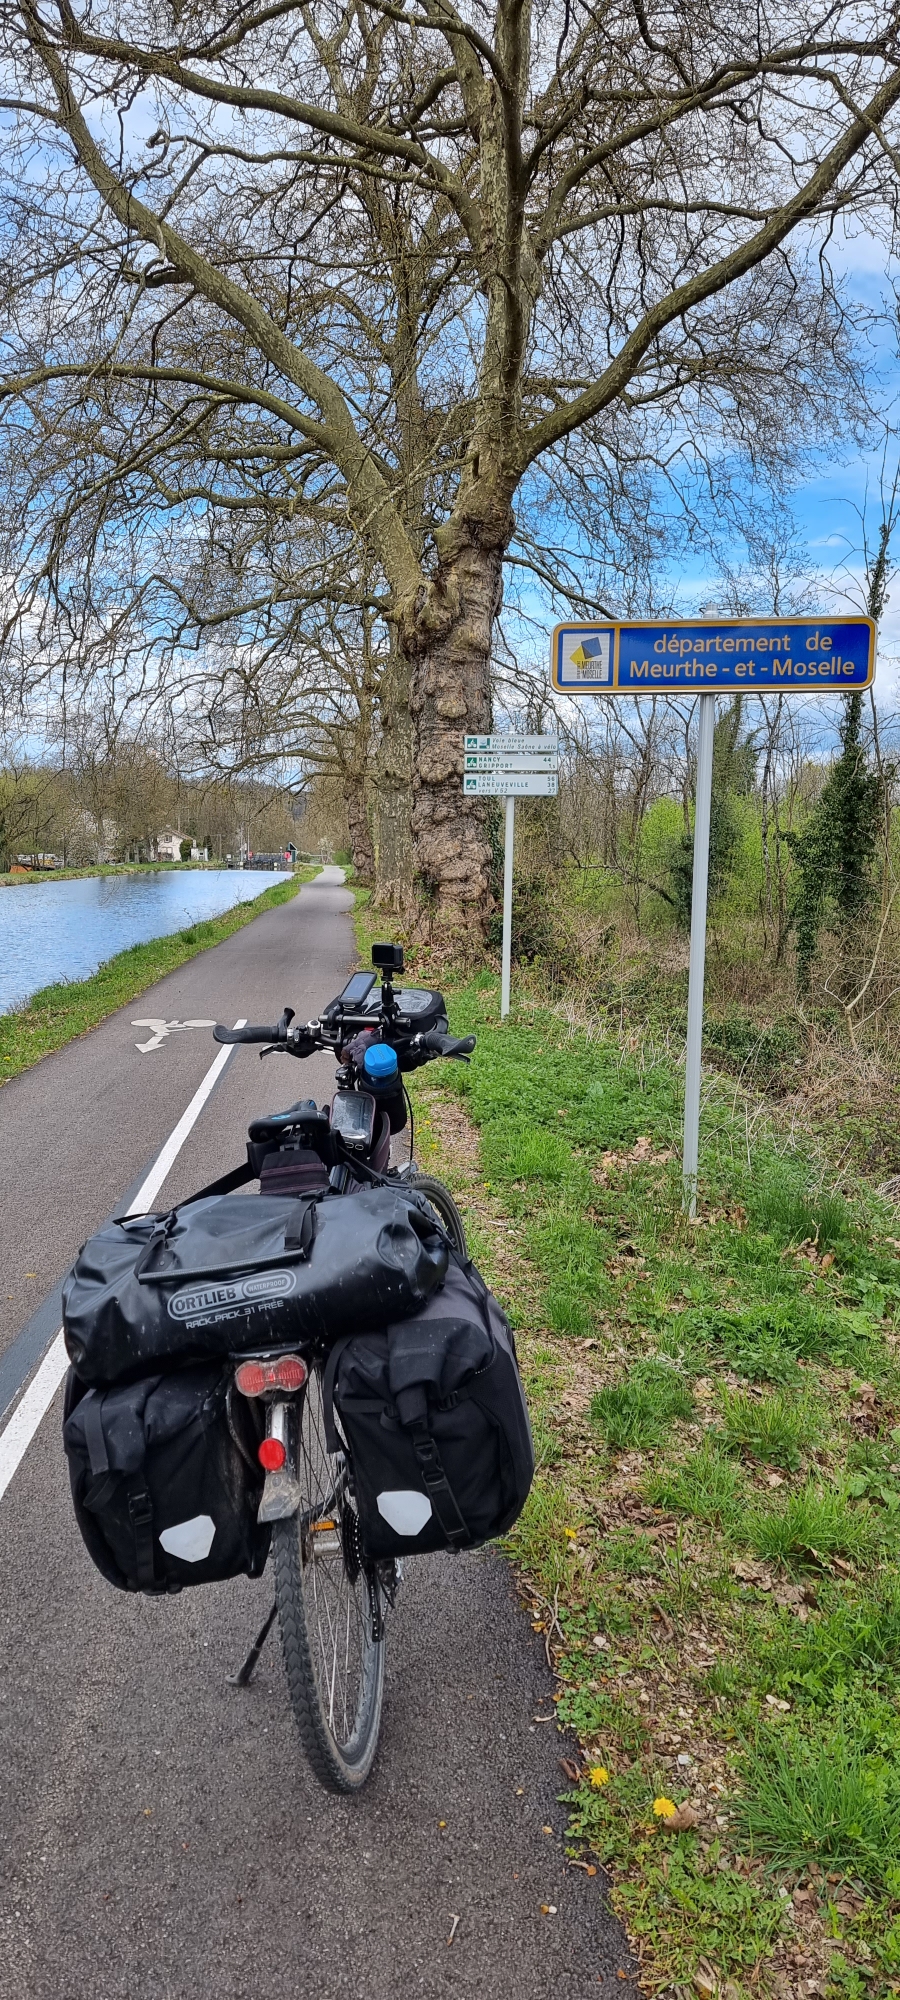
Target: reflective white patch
x,y
190,1540
405,1512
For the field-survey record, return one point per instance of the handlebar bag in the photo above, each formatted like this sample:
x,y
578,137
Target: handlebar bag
x,y
165,1479
231,1274
433,1412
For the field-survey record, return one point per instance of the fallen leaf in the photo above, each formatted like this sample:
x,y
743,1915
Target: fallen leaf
x,y
569,1766
752,1572
682,1820
706,1981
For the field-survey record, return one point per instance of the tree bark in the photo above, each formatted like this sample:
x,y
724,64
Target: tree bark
x,y
391,790
450,694
359,830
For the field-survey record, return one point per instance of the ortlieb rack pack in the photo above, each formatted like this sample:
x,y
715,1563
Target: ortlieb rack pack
x,y
234,1273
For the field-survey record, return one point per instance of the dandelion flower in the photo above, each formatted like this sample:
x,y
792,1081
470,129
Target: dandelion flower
x,y
664,1808
599,1777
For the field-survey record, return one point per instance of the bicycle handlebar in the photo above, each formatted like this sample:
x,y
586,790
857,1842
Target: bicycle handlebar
x,y
221,1034
302,1041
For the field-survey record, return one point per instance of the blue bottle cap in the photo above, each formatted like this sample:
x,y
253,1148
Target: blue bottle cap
x,y
380,1062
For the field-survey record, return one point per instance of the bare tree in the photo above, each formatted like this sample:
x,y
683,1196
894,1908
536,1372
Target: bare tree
x,y
411,268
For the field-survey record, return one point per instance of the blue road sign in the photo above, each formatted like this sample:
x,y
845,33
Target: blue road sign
x,y
699,655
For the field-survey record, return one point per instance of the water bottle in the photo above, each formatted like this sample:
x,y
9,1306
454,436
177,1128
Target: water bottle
x,y
381,1069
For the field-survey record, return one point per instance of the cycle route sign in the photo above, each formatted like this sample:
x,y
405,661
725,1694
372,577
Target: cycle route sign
x,y
706,655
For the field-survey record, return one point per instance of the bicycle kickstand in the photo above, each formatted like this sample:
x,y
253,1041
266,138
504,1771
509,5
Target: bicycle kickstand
x,y
245,1675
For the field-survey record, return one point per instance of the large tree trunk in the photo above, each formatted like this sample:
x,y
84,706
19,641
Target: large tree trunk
x,y
450,695
359,830
391,790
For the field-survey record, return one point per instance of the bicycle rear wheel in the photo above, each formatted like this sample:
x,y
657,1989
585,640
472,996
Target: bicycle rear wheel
x,y
441,1200
330,1612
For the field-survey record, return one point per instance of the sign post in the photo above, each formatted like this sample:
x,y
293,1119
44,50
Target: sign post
x,y
696,975
509,841
697,656
510,767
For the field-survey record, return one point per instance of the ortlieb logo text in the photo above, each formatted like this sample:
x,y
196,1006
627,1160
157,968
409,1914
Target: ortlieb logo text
x,y
206,1302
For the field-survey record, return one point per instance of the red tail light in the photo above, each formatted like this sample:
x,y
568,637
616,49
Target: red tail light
x,y
286,1372
272,1454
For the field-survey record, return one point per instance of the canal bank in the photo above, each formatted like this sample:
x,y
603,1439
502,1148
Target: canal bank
x,y
57,1014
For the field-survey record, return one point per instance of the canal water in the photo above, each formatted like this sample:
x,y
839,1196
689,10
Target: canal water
x,y
63,930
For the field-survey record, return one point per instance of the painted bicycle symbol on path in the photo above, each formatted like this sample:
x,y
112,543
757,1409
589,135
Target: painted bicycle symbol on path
x,y
161,1029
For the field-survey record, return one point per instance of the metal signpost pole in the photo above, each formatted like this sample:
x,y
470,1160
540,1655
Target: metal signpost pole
x,y
696,975
508,767
509,840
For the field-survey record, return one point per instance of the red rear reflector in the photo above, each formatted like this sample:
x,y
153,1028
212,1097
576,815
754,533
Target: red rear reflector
x,y
272,1454
285,1371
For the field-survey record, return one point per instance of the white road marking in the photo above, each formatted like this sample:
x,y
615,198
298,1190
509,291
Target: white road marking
x,y
27,1416
163,1028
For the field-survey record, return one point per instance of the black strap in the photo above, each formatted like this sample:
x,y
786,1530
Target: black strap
x,y
299,1235
159,1237
140,1508
238,1177
92,1419
437,1485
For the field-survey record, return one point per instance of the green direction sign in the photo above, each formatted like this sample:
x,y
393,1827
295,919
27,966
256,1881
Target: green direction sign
x,y
700,655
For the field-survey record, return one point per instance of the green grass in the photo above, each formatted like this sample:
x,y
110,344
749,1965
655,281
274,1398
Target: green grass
x,y
745,1557
57,1014
640,1410
853,1640
706,1485
828,1799
814,1525
777,1428
17,880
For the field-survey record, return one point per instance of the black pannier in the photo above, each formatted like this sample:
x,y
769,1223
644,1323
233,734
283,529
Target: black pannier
x,y
234,1273
165,1479
434,1414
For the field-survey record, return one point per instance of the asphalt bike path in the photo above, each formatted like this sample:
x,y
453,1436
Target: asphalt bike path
x,y
160,1836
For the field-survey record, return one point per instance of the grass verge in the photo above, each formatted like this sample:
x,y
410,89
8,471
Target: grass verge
x,y
710,1548
25,876
57,1014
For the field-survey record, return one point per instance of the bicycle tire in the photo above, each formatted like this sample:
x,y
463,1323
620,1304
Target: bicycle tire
x,y
441,1200
323,1607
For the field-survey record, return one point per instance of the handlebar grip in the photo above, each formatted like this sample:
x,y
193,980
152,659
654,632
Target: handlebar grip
x,y
449,1045
250,1034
